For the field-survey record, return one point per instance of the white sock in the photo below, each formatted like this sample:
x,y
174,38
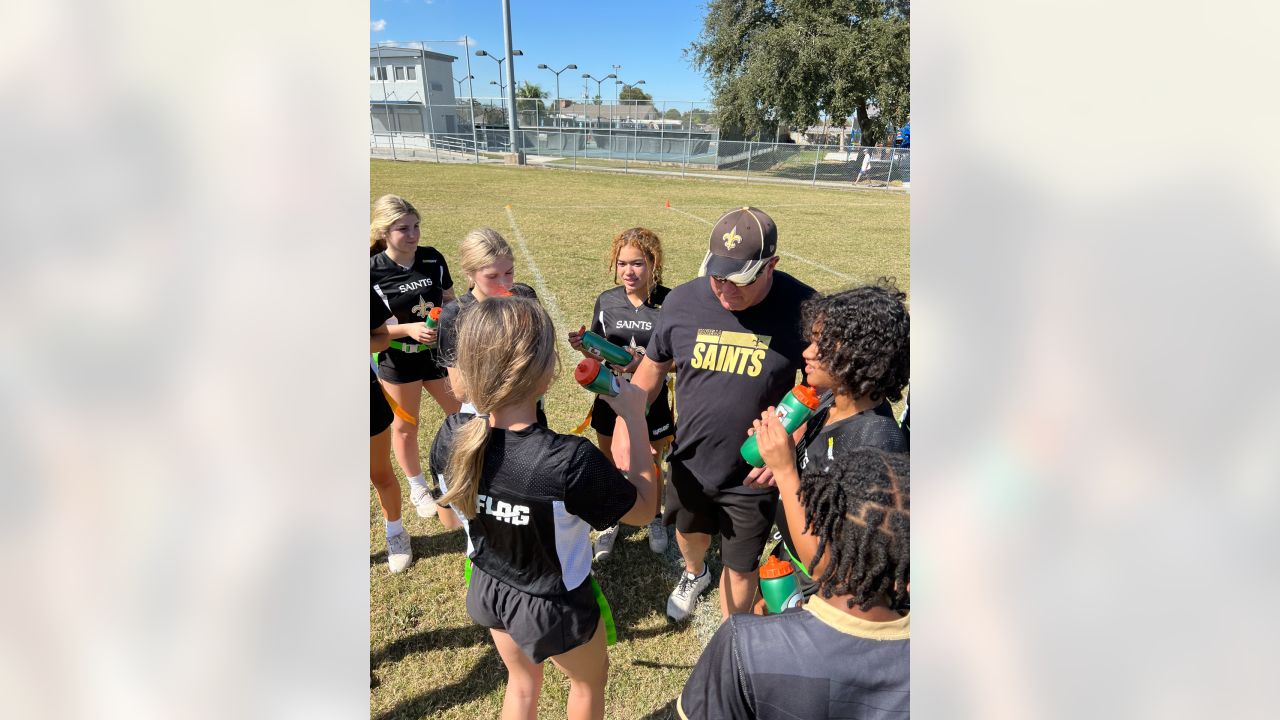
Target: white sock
x,y
394,527
419,481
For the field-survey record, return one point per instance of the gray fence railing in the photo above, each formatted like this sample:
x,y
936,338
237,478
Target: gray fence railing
x,y
642,150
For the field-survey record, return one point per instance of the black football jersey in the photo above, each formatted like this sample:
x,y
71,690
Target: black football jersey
x,y
411,292
623,324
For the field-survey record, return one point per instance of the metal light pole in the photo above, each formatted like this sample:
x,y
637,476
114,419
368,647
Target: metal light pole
x,y
616,68
626,85
471,98
543,66
501,85
469,77
588,76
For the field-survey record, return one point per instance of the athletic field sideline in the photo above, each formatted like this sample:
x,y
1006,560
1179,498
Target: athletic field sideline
x,y
428,658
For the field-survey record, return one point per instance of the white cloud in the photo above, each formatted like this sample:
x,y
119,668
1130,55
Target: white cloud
x,y
466,40
377,25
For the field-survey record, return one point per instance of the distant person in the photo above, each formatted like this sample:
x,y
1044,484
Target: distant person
x,y
409,280
847,653
735,338
866,165
528,498
625,315
859,359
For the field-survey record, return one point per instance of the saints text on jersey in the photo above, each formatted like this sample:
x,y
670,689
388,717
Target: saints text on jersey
x,y
739,353
415,285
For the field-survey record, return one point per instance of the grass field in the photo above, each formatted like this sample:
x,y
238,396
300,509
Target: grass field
x,y
429,659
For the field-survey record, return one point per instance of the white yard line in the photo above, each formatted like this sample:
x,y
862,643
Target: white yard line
x,y
793,256
545,296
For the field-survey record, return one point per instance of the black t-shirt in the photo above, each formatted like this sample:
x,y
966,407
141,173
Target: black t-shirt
x,y
624,324
873,428
540,494
411,292
449,321
731,366
816,662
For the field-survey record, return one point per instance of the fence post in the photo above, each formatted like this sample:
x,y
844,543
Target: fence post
x,y
575,151
748,162
893,155
817,153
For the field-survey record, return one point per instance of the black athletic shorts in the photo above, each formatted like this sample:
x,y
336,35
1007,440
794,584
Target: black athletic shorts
x,y
744,521
542,627
401,367
380,414
661,423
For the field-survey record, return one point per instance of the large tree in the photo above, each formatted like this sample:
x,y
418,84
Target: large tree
x,y
796,62
631,92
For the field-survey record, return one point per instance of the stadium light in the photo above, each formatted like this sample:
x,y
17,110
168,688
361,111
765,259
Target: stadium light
x,y
588,76
543,66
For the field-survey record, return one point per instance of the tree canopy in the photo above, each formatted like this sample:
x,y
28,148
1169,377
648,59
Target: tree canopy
x,y
795,62
631,92
530,90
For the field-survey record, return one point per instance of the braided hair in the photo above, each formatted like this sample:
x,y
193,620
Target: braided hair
x,y
859,508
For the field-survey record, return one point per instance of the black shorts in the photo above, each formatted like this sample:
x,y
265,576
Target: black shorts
x,y
744,521
380,414
400,367
542,627
661,423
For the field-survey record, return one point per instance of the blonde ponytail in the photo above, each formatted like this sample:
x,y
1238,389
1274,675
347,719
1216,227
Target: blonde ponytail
x,y
506,355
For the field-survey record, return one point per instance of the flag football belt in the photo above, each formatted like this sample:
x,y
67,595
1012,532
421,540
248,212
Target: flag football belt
x,y
410,348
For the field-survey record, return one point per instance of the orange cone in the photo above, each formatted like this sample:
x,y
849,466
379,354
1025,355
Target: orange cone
x,y
668,204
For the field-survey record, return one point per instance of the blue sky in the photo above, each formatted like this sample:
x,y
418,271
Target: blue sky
x,y
646,39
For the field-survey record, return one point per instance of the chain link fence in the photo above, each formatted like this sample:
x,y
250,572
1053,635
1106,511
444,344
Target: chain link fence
x,y
424,107
687,154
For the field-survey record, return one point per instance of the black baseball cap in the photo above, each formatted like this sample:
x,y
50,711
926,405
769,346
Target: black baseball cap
x,y
742,241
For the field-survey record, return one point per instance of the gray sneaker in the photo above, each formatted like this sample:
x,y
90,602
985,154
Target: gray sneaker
x,y
422,500
657,536
604,542
685,596
399,551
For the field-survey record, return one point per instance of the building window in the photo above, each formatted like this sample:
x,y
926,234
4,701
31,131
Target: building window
x,y
437,87
413,73
373,75
381,73
399,72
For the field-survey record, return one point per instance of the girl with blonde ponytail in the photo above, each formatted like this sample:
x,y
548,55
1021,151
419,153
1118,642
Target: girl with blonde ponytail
x,y
528,498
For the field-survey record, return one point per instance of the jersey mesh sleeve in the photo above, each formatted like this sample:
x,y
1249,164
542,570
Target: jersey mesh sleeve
x,y
379,313
448,334
716,687
596,326
442,446
595,490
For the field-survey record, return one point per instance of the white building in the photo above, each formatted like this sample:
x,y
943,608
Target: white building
x,y
411,91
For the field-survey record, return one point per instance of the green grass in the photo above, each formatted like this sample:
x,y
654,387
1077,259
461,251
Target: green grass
x,y
429,658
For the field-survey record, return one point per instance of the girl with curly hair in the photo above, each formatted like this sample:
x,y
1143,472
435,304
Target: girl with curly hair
x,y
859,359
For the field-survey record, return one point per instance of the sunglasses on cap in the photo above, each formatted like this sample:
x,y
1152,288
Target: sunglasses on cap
x,y
722,280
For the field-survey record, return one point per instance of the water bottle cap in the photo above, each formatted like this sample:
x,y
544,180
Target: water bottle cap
x,y
586,371
774,568
434,314
806,395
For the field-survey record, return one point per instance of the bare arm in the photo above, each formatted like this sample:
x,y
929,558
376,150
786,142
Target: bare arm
x,y
649,377
779,452
630,404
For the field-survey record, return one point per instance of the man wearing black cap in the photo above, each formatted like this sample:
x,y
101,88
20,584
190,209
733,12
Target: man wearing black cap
x,y
733,335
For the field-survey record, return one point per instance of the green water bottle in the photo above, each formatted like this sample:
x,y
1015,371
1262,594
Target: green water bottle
x,y
593,376
605,351
794,409
778,585
432,322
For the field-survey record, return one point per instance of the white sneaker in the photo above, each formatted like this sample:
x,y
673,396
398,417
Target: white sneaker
x,y
657,536
685,596
422,500
399,551
604,542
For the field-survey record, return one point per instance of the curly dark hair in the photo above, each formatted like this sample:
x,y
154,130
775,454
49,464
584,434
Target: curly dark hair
x,y
865,338
859,508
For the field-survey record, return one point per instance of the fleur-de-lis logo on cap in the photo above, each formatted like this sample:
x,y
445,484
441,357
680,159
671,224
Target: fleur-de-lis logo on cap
x,y
421,309
731,238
